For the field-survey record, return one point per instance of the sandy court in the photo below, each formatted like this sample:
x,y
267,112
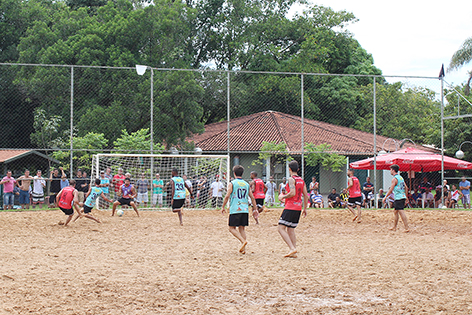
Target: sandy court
x,y
151,265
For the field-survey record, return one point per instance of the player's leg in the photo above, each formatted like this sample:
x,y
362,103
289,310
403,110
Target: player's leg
x,y
115,204
359,213
69,217
395,220
132,204
404,219
284,232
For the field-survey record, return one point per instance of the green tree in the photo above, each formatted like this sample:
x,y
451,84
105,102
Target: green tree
x,y
138,142
402,112
84,148
462,57
46,128
276,153
322,154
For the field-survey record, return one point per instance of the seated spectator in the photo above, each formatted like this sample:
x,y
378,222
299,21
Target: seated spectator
x,y
380,198
344,197
316,199
428,199
333,198
437,197
415,198
455,195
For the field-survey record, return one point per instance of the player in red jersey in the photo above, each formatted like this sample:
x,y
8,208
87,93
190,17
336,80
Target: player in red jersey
x,y
67,199
294,203
258,189
355,195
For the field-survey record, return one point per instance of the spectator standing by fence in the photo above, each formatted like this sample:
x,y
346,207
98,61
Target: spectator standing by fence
x,y
143,186
464,186
9,184
54,187
39,183
25,187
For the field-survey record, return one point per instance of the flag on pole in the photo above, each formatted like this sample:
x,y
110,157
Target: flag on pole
x,y
441,73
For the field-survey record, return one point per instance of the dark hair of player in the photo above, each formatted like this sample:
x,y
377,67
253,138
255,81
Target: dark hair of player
x,y
293,165
238,170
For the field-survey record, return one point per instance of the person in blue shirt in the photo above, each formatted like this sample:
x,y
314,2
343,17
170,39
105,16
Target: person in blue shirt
x,y
178,193
90,198
464,186
237,194
399,190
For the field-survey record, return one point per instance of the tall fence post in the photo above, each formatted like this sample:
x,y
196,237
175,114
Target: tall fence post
x,y
375,145
71,120
228,114
303,135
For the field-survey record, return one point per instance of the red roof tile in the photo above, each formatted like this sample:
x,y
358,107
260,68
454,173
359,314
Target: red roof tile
x,y
247,134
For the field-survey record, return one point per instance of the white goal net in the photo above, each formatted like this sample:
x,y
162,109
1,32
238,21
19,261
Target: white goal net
x,y
150,174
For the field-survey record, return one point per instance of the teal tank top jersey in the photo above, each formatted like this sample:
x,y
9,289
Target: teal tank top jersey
x,y
179,188
399,189
94,193
239,197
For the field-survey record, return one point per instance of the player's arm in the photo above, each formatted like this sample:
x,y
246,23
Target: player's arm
x,y
291,185
265,188
252,185
255,213
133,193
105,198
189,189
228,194
173,191
390,190
305,200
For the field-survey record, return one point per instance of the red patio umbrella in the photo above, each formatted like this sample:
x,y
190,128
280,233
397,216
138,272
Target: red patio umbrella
x,y
412,159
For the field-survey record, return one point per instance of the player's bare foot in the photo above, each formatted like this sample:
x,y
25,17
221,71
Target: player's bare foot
x,y
355,218
392,229
406,231
242,250
61,223
292,254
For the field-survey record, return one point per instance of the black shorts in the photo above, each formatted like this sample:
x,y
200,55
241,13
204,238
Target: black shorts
x,y
239,219
177,203
125,201
87,209
355,201
260,203
67,211
399,204
290,218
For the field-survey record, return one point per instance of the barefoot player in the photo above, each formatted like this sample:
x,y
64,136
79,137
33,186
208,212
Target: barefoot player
x,y
237,194
90,198
178,186
126,195
355,195
399,189
258,190
295,188
68,199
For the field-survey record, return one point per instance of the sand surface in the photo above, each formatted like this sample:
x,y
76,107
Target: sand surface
x,y
151,265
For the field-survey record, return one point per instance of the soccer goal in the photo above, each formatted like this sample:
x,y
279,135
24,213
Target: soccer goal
x,y
150,174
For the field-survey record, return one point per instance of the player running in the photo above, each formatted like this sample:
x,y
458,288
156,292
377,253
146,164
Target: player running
x,y
258,189
92,195
68,199
295,188
355,195
237,194
178,186
127,193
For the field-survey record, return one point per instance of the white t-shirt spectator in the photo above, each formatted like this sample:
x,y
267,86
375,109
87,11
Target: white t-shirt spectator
x,y
217,189
38,183
271,188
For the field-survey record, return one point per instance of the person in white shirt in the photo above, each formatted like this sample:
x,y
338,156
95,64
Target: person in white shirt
x,y
270,194
39,183
216,191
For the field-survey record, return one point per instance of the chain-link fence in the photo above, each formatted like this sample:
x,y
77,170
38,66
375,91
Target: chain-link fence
x,y
60,116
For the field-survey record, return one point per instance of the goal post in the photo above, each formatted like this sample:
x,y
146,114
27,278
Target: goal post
x,y
201,172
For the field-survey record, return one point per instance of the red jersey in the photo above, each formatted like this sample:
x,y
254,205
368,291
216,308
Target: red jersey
x,y
67,196
258,189
295,202
355,189
119,180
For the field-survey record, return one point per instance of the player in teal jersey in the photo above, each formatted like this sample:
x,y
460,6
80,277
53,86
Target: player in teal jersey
x,y
178,193
400,191
92,195
238,194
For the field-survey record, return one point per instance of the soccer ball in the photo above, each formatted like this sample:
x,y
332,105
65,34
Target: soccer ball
x,y
119,213
444,207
